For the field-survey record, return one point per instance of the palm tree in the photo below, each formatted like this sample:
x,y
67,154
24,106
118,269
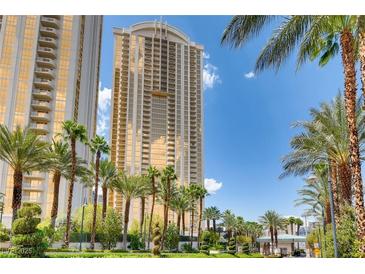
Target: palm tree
x,y
168,190
299,223
310,32
208,215
24,152
130,187
291,221
229,222
72,132
193,196
98,146
271,221
180,204
143,196
107,174
201,193
216,215
60,165
152,173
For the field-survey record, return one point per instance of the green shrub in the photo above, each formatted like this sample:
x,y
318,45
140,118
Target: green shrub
x,y
27,240
187,248
4,234
111,229
231,246
172,237
135,242
210,237
245,248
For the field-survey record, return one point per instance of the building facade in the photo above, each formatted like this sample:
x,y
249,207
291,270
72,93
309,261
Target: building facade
x,y
157,109
49,69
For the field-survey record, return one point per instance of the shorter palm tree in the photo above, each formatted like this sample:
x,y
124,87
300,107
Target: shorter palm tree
x,y
216,216
107,174
180,204
152,173
208,215
229,222
272,221
24,152
130,187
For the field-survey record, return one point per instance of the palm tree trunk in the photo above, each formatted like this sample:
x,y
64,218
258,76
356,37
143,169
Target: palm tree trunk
x,y
208,224
70,193
272,239
192,227
151,213
93,230
165,221
348,60
17,192
214,226
105,201
344,173
200,218
336,204
328,212
276,237
291,229
141,222
56,190
183,223
126,221
178,222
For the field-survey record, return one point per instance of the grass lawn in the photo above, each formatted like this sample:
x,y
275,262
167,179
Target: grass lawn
x,y
137,255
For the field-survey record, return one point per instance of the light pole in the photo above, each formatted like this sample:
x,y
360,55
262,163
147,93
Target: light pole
x,y
82,221
332,213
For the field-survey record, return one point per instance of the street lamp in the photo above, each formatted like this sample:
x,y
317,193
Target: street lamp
x,y
82,221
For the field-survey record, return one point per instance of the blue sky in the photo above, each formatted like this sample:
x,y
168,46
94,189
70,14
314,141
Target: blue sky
x,y
248,117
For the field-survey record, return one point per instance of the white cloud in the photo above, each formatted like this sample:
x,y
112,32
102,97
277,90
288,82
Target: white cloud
x,y
249,75
206,55
212,185
104,106
210,76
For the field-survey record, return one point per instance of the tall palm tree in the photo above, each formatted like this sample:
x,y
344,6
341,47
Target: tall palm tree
x,y
24,152
98,146
271,221
298,223
309,32
72,132
152,173
60,165
291,221
107,173
130,187
180,204
168,190
193,196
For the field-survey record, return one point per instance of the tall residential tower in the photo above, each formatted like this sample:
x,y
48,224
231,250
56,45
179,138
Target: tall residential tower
x,y
157,104
49,69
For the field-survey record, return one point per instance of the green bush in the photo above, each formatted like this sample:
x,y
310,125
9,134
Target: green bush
x,y
172,237
135,242
187,248
210,237
27,240
245,248
111,229
4,234
231,246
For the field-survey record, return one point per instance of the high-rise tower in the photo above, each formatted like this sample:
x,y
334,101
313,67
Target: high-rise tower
x,y
157,104
49,69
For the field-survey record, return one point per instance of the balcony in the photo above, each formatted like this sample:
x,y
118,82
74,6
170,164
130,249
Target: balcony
x,y
49,32
45,62
30,187
47,42
43,83
41,105
46,52
36,175
42,94
39,128
45,73
49,22
37,200
40,116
